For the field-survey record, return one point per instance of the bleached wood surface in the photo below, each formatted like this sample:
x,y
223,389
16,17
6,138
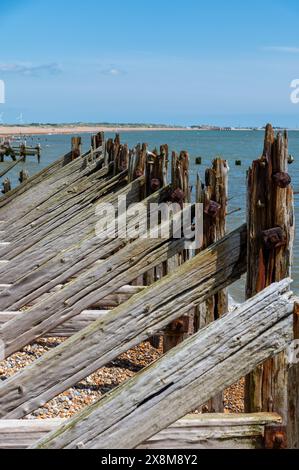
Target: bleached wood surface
x,y
126,326
222,431
187,376
67,329
81,227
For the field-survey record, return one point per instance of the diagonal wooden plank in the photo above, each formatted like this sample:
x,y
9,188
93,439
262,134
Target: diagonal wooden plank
x,y
190,374
125,327
37,189
38,280
62,237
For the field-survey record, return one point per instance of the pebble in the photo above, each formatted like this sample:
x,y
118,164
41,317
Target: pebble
x,y
103,381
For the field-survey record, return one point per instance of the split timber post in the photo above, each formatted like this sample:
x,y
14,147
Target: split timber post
x,y
97,140
24,175
180,329
6,186
76,147
156,179
214,197
274,385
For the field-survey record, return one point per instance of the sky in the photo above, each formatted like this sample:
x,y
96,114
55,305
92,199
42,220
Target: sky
x,y
175,62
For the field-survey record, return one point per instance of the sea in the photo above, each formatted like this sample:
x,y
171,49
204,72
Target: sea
x,y
230,145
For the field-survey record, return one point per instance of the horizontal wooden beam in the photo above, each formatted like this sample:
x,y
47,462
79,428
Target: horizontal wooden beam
x,y
187,376
67,329
222,431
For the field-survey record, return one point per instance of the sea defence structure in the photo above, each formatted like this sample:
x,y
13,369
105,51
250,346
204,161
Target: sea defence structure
x,y
108,294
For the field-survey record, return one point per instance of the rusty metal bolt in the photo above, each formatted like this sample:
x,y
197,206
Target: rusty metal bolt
x,y
177,196
212,209
283,180
275,437
155,184
138,173
274,238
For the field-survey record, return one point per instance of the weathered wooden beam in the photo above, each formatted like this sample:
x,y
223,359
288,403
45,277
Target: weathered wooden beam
x,y
86,182
270,245
37,190
69,233
206,431
195,370
93,285
67,329
81,255
126,326
35,179
214,197
178,330
60,209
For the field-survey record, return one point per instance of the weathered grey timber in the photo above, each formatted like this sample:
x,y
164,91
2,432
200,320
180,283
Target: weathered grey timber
x,y
207,431
65,211
52,271
67,329
86,189
270,245
38,188
92,285
126,326
193,372
67,234
34,180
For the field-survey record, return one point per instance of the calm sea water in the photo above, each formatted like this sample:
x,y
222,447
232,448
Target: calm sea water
x,y
240,145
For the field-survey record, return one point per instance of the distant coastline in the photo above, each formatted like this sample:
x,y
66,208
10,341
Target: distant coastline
x,y
64,129
78,129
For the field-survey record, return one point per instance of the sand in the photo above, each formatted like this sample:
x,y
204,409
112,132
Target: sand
x,y
44,130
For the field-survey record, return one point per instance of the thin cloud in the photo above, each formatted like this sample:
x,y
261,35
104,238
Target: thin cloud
x,y
113,71
286,49
28,69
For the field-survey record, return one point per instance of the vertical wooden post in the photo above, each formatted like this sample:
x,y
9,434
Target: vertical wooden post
x,y
180,329
214,197
76,147
97,140
6,186
270,244
24,175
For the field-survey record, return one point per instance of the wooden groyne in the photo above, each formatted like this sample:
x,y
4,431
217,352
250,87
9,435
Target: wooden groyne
x,y
107,295
22,150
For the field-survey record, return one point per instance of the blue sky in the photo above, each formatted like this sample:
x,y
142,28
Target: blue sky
x,y
149,61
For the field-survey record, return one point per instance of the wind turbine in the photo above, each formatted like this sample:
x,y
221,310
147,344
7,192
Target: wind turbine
x,y
20,118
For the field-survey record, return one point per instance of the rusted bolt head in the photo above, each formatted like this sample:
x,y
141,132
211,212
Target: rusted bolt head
x,y
212,209
283,180
138,173
155,184
177,196
274,238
